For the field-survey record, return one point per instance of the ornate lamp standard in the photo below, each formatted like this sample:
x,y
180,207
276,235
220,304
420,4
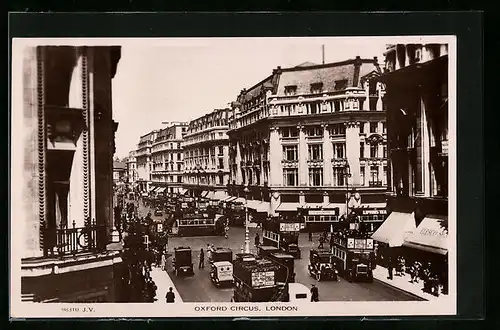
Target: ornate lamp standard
x,y
347,174
247,238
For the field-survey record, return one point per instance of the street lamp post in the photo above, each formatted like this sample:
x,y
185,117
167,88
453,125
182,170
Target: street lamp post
x,y
347,175
247,238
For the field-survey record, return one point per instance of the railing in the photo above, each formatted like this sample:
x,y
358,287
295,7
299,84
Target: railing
x,y
70,241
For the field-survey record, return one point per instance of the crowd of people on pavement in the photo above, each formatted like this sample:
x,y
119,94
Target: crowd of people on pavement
x,y
433,281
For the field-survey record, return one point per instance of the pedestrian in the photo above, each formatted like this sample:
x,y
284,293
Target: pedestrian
x,y
310,236
321,240
202,260
170,296
314,294
390,269
163,263
257,240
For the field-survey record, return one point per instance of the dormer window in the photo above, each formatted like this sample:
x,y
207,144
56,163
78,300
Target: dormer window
x,y
340,84
290,90
316,88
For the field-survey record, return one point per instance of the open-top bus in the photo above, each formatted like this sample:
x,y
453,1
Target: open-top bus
x,y
282,234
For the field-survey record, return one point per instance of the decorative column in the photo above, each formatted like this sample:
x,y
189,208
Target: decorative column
x,y
275,157
302,199
327,156
326,198
261,149
379,97
238,163
352,150
367,163
303,170
366,104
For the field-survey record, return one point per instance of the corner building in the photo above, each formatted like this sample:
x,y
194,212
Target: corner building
x,y
67,211
417,113
297,134
168,159
206,155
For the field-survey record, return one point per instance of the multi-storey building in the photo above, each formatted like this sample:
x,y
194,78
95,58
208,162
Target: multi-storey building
x,y
119,172
144,162
206,154
416,79
304,135
168,159
66,185
132,168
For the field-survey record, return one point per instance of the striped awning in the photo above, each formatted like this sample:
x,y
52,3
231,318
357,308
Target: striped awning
x,y
287,207
259,206
161,189
230,199
210,195
204,193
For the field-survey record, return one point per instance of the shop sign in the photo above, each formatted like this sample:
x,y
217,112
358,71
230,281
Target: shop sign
x,y
374,212
323,212
287,227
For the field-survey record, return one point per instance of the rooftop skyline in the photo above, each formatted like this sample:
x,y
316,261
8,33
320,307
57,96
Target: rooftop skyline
x,y
183,79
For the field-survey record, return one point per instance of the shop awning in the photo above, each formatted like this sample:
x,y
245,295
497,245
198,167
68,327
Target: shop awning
x,y
239,200
161,189
151,189
210,195
395,229
182,191
204,193
230,199
259,206
430,235
287,207
219,195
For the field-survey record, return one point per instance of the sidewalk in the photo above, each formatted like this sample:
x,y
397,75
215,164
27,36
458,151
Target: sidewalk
x,y
403,283
163,283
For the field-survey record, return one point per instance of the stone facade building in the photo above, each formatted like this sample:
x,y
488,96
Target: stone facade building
x,y
206,154
67,212
303,136
144,162
168,159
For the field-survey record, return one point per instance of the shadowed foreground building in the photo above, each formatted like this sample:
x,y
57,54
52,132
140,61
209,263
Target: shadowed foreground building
x,y
67,215
417,117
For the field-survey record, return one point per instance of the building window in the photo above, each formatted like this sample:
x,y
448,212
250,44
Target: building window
x,y
374,181
338,150
179,167
384,128
373,127
338,176
221,164
221,179
290,152
385,175
362,175
337,129
340,84
384,151
315,152
361,128
361,150
317,88
316,176
290,90
179,156
314,108
373,151
221,151
287,132
290,177
179,179
314,131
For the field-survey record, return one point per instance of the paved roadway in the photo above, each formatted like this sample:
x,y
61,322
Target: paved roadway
x,y
199,288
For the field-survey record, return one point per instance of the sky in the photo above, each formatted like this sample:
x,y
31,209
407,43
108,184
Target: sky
x,y
182,79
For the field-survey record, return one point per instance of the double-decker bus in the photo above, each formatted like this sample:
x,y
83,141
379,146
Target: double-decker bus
x,y
283,233
353,255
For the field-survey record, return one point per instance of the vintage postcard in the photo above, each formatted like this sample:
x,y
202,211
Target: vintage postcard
x,y
233,177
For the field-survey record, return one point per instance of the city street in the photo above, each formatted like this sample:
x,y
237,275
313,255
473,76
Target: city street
x,y
199,288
